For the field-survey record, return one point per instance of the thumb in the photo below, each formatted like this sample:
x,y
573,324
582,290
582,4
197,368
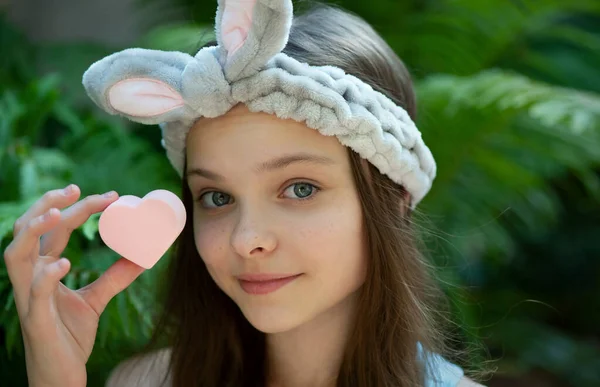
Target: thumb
x,y
48,275
113,281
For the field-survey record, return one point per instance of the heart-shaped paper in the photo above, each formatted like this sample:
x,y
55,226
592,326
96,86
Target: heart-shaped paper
x,y
142,230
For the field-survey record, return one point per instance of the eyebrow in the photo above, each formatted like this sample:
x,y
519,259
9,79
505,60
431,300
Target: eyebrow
x,y
270,165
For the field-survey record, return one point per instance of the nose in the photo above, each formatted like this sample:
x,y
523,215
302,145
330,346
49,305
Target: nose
x,y
253,236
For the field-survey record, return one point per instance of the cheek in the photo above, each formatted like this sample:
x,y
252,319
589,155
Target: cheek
x,y
334,245
211,241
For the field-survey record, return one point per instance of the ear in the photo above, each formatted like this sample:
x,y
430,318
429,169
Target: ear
x,y
250,33
235,23
143,97
142,85
146,86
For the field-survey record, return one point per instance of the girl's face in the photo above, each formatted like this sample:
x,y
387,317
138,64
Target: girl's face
x,y
274,198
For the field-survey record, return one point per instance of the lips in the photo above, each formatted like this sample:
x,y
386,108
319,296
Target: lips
x,y
264,283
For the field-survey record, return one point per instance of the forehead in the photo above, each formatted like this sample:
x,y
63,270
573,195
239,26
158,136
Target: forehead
x,y
251,133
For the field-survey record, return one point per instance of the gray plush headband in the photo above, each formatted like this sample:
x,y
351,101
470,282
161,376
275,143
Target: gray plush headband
x,y
174,89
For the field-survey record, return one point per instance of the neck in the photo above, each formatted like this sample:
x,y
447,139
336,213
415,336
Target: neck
x,y
311,354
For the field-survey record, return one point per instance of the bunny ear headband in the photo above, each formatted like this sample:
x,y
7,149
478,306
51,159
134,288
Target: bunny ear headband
x,y
173,89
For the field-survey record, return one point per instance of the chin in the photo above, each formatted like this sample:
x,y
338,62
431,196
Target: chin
x,y
271,320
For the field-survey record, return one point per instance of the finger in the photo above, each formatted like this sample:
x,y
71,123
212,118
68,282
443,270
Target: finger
x,y
54,242
21,254
21,248
45,282
113,281
59,198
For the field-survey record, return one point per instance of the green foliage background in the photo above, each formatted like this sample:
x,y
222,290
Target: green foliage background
x,y
509,102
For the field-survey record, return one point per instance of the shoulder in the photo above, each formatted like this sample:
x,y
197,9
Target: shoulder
x,y
443,373
466,382
144,370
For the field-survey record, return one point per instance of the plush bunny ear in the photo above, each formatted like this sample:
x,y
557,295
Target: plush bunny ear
x,y
142,85
143,97
152,87
250,32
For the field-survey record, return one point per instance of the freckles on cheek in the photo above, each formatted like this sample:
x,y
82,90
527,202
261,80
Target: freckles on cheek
x,y
211,242
318,229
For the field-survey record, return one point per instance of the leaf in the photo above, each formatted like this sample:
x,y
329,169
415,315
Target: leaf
x,y
68,117
539,346
90,227
51,161
84,277
124,313
140,306
466,36
40,96
6,228
498,90
10,301
29,179
70,280
103,331
590,180
50,58
184,37
494,165
13,336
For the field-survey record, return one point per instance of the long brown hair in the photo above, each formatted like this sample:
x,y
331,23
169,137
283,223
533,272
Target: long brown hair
x,y
213,345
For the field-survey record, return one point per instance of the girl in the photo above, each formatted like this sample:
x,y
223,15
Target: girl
x,y
300,168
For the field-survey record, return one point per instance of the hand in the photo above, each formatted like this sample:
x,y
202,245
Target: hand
x,y
59,325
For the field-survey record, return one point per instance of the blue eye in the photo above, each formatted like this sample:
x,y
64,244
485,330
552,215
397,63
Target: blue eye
x,y
217,199
301,191
214,199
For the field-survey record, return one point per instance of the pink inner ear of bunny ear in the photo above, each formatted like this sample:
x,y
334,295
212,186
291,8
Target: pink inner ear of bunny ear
x,y
143,97
236,23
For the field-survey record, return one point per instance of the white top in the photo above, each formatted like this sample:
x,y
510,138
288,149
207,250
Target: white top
x,y
148,370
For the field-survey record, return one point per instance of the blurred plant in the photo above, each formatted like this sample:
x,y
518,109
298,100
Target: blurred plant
x,y
494,191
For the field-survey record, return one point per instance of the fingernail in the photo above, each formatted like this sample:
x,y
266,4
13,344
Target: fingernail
x,y
69,189
48,214
109,194
62,263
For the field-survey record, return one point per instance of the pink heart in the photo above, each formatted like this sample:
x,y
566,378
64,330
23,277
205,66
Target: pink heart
x,y
142,230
